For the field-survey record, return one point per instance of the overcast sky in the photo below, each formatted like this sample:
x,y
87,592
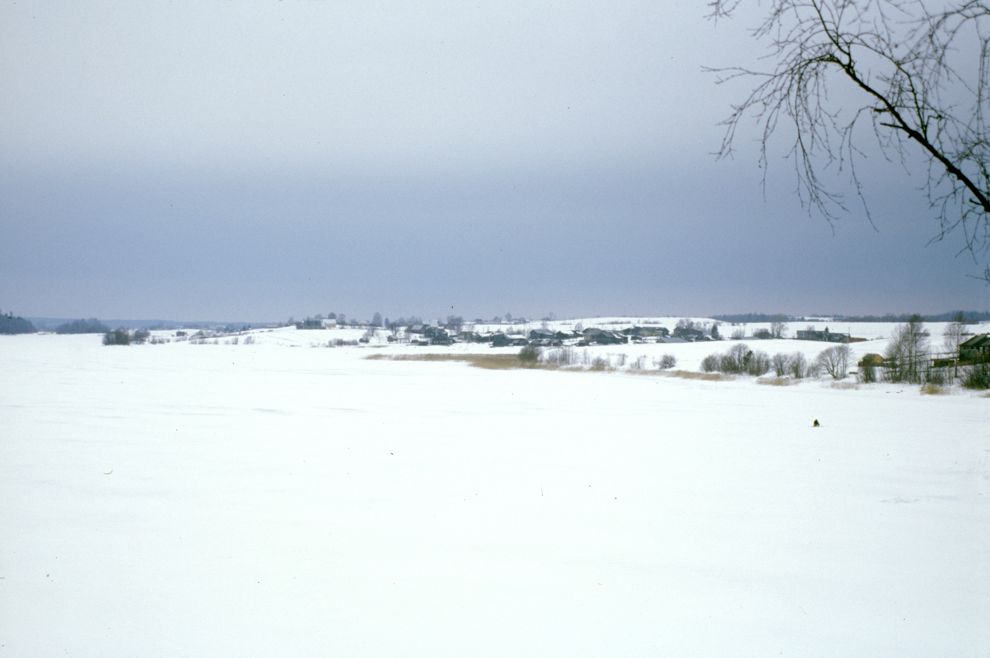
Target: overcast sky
x,y
255,161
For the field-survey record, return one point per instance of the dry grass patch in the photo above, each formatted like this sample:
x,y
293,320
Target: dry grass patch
x,y
487,361
513,362
417,357
845,386
776,381
702,376
646,373
503,362
933,389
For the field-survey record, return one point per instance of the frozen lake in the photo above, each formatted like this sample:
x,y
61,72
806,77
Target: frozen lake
x,y
263,500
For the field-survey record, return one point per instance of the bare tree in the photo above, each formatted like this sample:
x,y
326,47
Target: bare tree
x,y
835,361
921,72
778,329
954,332
779,363
758,364
798,365
906,356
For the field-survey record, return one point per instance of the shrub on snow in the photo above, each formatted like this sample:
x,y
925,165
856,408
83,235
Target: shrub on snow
x,y
529,354
977,376
117,337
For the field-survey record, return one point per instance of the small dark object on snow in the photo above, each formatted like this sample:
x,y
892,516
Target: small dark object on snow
x,y
816,423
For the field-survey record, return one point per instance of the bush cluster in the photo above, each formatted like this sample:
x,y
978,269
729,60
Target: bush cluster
x,y
739,359
565,356
117,337
530,355
600,363
121,336
794,365
977,376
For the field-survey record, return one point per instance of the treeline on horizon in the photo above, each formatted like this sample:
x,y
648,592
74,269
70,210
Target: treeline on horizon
x,y
948,316
12,324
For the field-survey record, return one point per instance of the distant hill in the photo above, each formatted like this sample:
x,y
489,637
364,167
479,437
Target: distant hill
x,y
53,324
90,326
754,317
948,316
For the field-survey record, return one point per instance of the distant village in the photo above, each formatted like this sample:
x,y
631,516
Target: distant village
x,y
419,333
519,332
975,349
517,335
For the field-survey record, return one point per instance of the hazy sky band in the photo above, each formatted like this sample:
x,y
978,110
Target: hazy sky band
x,y
256,161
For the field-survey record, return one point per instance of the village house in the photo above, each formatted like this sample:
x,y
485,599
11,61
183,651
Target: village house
x,y
547,338
975,349
823,336
641,334
595,336
310,323
507,340
425,334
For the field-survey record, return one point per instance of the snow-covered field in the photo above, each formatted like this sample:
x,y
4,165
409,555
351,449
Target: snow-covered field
x,y
272,499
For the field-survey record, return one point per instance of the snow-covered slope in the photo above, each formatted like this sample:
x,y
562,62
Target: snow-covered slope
x,y
253,500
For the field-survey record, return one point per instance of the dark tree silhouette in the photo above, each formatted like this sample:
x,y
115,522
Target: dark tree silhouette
x,y
12,324
921,75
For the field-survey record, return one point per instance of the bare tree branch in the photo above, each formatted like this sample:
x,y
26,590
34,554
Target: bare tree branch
x,y
924,83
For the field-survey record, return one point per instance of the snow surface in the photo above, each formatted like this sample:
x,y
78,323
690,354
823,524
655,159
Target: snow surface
x,y
256,500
